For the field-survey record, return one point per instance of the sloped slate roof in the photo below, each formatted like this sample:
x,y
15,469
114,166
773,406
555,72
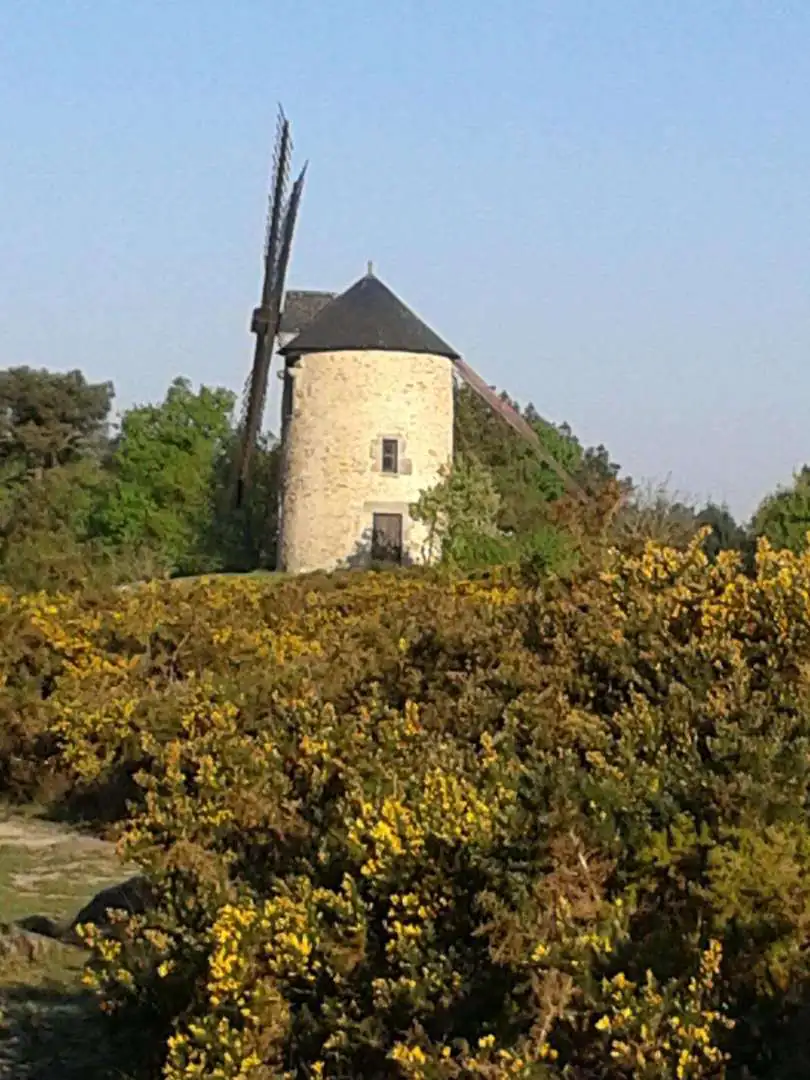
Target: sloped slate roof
x,y
368,316
300,307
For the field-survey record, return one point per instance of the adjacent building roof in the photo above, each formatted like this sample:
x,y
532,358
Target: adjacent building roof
x,y
368,316
300,307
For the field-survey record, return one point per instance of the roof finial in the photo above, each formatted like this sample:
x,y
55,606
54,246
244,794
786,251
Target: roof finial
x,y
370,271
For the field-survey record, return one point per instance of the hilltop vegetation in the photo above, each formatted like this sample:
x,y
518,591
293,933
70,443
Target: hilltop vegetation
x,y
551,831
540,811
82,503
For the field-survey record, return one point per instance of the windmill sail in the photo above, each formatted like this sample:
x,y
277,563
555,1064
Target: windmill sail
x,y
281,224
285,247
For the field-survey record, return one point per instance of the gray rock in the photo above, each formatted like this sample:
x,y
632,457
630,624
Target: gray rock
x,y
133,896
41,925
27,938
22,946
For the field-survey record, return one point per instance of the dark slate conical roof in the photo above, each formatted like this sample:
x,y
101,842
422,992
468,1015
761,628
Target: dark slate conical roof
x,y
368,316
300,308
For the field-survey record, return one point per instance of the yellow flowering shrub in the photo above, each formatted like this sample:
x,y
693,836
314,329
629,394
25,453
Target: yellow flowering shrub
x,y
399,825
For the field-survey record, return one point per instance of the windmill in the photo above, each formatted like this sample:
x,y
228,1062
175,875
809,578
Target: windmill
x,y
367,317
281,219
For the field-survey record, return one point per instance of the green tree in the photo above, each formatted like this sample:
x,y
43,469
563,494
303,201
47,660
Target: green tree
x,y
50,418
527,486
244,538
45,529
53,437
596,469
164,467
783,518
460,512
726,534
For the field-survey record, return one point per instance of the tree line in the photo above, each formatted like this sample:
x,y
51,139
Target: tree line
x,y
81,499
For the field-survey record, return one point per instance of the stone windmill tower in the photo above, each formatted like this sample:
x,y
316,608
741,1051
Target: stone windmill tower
x,y
367,423
367,406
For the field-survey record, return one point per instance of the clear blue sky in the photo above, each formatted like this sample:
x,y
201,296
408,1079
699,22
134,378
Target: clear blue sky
x,y
604,204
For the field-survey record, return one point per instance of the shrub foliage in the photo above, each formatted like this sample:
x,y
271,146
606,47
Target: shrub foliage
x,y
404,825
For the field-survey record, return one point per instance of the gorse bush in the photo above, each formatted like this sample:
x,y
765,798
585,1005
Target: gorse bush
x,y
406,825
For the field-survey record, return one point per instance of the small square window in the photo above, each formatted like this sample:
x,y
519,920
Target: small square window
x,y
390,456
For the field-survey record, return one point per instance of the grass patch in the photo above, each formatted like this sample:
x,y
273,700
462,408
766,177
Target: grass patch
x,y
50,870
49,1025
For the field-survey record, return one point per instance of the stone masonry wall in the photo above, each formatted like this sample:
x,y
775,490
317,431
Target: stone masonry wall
x,y
343,405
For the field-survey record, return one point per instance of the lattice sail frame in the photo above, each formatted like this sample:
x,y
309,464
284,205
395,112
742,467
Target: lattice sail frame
x,y
281,220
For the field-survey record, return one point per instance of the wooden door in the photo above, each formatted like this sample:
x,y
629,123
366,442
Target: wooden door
x,y
386,538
